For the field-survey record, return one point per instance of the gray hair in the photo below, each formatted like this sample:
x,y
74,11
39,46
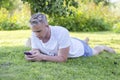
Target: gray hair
x,y
37,19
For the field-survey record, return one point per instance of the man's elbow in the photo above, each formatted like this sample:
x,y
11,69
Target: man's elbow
x,y
63,59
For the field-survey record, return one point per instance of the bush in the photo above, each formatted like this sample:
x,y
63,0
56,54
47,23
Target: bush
x,y
7,25
18,20
82,22
88,17
97,24
116,28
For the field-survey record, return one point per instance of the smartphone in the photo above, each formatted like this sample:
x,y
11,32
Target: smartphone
x,y
27,53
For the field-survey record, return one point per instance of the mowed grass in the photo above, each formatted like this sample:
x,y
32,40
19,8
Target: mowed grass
x,y
13,66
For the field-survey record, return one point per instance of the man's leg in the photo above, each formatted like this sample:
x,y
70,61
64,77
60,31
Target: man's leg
x,y
100,48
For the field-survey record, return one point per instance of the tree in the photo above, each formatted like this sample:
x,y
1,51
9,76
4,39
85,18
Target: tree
x,y
105,2
10,5
52,7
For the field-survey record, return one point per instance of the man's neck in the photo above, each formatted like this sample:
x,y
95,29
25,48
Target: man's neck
x,y
46,39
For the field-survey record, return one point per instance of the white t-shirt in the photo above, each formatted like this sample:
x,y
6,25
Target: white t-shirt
x,y
59,39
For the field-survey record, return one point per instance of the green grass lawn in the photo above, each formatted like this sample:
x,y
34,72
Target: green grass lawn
x,y
13,66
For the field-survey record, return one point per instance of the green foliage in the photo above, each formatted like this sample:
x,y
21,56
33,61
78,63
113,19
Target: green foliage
x,y
51,7
82,23
6,25
116,28
19,20
86,18
10,5
105,2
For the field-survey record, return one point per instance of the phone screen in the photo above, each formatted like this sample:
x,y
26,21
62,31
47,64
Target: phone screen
x,y
27,53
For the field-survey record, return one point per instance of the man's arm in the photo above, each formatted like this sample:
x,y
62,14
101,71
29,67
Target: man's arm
x,y
61,57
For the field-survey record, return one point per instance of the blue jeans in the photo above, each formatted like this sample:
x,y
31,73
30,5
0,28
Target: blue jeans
x,y
87,49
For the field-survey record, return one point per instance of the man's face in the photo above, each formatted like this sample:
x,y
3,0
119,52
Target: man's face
x,y
40,30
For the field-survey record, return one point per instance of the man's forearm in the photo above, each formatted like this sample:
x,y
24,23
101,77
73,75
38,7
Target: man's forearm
x,y
54,58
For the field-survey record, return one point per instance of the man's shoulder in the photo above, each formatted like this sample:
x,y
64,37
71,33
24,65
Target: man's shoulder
x,y
58,28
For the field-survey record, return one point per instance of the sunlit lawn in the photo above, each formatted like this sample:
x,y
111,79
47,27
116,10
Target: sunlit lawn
x,y
13,66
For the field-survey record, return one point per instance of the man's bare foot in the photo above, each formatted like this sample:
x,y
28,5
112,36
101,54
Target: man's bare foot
x,y
109,49
86,40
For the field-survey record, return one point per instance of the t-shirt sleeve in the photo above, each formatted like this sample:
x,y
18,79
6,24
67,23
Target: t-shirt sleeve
x,y
64,39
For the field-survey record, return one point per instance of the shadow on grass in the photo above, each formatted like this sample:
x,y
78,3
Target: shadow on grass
x,y
8,55
11,51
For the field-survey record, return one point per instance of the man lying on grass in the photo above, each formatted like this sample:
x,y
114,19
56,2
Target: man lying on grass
x,y
53,43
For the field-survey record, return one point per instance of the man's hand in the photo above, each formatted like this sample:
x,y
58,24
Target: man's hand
x,y
36,56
